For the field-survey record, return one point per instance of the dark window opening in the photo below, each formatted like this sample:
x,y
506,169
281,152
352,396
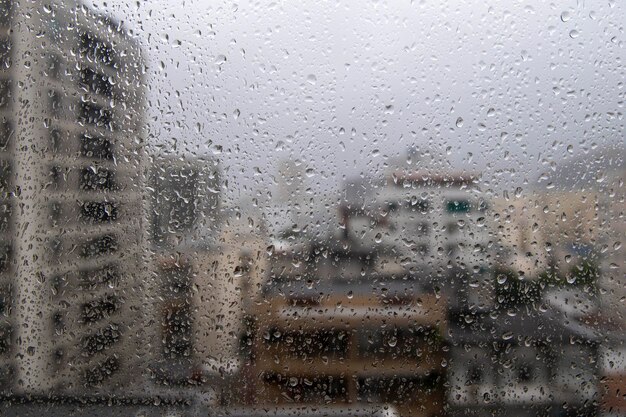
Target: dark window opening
x,y
97,179
99,211
94,114
5,12
96,147
525,374
101,340
96,49
6,334
96,83
5,53
5,93
418,205
6,133
103,371
96,310
94,278
5,175
55,102
475,375
5,300
55,140
55,213
177,331
6,251
458,206
5,216
99,246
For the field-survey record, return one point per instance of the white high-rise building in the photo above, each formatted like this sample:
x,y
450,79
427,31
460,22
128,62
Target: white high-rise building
x,y
435,225
71,205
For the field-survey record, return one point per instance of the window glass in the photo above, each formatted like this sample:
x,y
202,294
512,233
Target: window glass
x,y
316,208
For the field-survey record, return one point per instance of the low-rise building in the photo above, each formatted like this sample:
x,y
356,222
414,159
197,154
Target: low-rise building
x,y
533,364
342,326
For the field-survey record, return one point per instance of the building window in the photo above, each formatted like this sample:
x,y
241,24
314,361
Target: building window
x,y
102,372
58,322
97,310
5,216
418,205
55,140
6,252
54,67
6,295
96,49
96,83
177,330
458,206
524,373
96,147
55,101
99,211
55,213
5,93
97,179
99,277
5,12
93,114
475,375
5,175
56,176
101,340
5,53
99,246
6,132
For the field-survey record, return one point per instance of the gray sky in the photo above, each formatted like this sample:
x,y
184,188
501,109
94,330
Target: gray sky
x,y
507,88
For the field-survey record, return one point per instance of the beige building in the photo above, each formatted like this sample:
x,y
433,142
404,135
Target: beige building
x,y
208,264
564,228
518,229
71,166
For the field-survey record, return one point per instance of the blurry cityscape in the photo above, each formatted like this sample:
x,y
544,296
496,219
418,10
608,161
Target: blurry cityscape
x,y
128,285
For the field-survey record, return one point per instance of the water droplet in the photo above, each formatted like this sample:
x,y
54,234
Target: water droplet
x,y
573,34
565,16
311,79
393,341
220,59
459,122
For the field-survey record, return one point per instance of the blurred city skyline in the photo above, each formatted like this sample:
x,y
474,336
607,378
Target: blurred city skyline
x,y
416,209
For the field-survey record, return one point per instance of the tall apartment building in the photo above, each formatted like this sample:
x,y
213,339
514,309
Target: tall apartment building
x,y
71,222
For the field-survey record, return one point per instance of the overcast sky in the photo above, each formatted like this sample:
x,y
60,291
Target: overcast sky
x,y
506,88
